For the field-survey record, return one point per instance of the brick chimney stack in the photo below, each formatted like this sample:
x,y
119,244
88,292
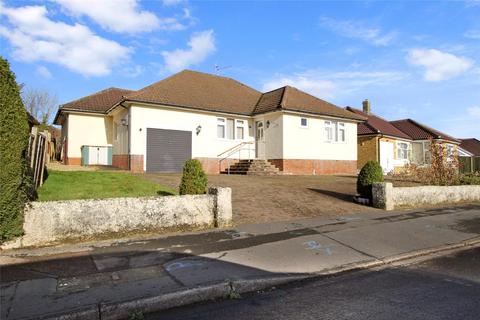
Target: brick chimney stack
x,y
366,106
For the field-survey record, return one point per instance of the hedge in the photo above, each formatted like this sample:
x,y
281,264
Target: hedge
x,y
15,178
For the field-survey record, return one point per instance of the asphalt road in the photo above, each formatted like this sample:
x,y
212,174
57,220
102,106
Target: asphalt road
x,y
445,287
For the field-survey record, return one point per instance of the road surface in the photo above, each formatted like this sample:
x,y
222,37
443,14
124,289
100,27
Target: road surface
x,y
446,287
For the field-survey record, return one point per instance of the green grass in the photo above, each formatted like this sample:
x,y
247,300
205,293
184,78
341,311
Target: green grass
x,y
69,185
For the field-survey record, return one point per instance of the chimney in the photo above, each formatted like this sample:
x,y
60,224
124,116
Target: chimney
x,y
366,106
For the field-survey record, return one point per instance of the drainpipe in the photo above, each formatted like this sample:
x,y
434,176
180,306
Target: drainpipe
x,y
129,134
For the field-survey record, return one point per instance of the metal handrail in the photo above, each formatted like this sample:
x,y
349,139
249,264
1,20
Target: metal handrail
x,y
230,152
234,147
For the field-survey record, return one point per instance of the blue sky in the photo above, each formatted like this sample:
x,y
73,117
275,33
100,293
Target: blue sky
x,y
410,59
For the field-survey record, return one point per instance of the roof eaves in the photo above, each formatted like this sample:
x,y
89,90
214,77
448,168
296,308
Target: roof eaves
x,y
185,107
325,114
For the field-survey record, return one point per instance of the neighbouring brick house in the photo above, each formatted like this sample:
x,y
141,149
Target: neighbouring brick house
x,y
380,141
421,136
469,155
211,118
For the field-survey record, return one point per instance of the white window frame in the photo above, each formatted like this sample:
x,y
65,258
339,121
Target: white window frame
x,y
450,151
239,123
223,123
407,150
335,128
233,129
427,149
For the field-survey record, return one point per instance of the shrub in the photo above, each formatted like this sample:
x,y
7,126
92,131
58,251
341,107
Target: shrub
x,y
194,180
370,173
442,170
15,179
471,178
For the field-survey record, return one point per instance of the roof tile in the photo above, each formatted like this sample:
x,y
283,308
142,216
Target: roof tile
x,y
418,131
377,125
471,145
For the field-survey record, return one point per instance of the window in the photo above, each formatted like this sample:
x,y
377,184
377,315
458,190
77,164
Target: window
x,y
328,131
334,131
240,129
226,128
449,152
303,122
341,132
221,128
427,155
402,150
230,129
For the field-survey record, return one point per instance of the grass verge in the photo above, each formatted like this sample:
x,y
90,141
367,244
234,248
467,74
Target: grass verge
x,y
69,185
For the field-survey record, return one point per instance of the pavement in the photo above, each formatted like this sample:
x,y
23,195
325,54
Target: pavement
x,y
115,279
442,288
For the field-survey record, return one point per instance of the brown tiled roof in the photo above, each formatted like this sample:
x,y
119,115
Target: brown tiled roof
x,y
418,131
292,99
100,101
377,125
203,91
199,90
471,145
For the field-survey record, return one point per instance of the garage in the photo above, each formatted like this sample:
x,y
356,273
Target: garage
x,y
167,150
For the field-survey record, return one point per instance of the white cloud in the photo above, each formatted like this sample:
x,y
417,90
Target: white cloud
x,y
474,111
316,87
133,72
34,37
439,65
119,16
472,34
352,29
201,45
44,72
172,2
472,3
327,84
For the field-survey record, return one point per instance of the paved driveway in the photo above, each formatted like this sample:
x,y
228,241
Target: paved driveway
x,y
274,198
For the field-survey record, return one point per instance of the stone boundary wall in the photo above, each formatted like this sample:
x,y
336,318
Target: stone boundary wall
x,y
52,222
385,196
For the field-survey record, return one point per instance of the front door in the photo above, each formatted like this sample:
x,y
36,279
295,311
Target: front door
x,y
386,156
259,140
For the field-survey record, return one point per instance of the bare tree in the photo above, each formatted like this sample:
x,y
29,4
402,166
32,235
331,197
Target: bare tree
x,y
40,103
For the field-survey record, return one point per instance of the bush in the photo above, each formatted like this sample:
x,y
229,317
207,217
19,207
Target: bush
x,y
441,171
471,178
370,173
194,180
15,179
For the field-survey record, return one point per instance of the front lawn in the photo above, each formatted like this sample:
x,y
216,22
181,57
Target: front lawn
x,y
69,185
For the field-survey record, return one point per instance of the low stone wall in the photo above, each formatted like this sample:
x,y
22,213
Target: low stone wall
x,y
56,221
385,196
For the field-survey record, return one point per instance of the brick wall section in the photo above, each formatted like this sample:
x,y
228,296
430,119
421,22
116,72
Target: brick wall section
x,y
277,163
120,161
74,161
315,167
136,163
367,150
211,165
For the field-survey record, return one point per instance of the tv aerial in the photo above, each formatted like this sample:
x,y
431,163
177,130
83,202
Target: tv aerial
x,y
219,69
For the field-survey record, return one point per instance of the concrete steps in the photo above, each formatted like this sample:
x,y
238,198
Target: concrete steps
x,y
253,167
